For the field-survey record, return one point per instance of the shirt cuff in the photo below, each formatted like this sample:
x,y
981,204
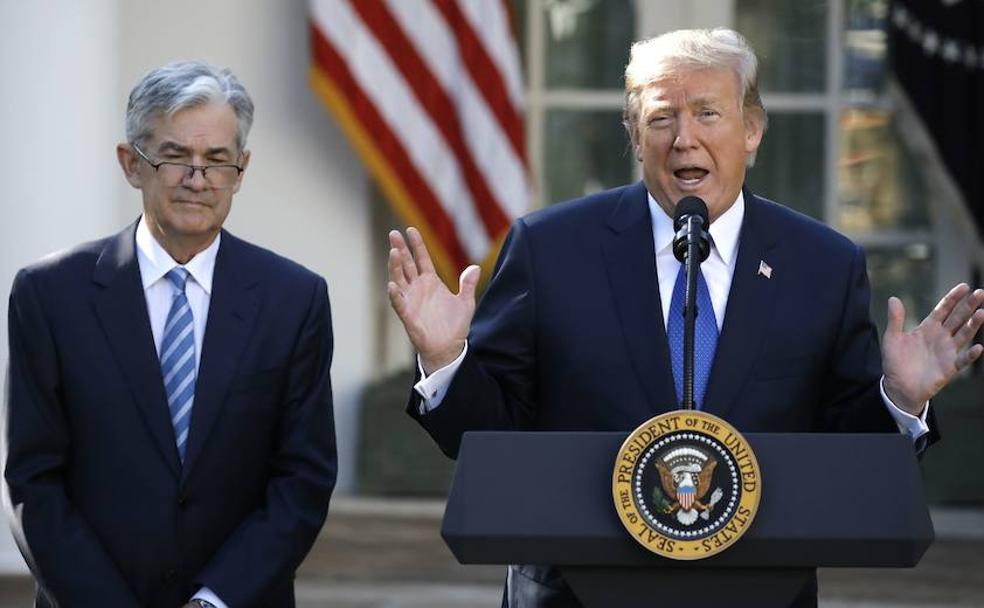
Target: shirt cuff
x,y
206,594
433,388
913,427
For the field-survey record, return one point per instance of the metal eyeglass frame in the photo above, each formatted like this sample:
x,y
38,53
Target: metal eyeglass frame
x,y
190,168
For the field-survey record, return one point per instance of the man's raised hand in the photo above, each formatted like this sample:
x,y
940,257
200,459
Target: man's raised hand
x,y
920,362
435,319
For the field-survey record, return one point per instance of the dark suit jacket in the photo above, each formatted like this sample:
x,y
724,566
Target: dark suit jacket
x,y
569,335
99,502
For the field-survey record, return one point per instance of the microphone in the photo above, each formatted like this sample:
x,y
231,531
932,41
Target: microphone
x,y
690,223
691,246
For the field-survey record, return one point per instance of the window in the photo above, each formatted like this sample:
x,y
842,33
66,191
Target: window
x,y
574,53
833,149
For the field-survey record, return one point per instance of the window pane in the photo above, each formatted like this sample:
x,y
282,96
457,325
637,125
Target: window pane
x,y
789,167
519,15
587,42
585,152
906,272
864,45
879,186
790,39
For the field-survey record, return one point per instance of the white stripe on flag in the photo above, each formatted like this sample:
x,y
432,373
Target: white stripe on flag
x,y
489,20
384,85
487,142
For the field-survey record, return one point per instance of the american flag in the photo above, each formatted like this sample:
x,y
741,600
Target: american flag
x,y
430,94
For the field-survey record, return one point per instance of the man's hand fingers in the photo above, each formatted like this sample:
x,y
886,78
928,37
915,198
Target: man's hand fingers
x,y
969,356
975,353
896,316
409,267
424,263
963,311
397,301
395,267
397,241
468,281
948,303
969,329
406,259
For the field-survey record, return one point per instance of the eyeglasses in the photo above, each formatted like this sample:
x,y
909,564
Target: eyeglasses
x,y
173,173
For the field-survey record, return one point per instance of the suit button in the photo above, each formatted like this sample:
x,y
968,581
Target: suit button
x,y
171,575
182,503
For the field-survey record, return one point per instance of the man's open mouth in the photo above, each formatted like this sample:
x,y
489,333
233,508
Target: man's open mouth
x,y
690,176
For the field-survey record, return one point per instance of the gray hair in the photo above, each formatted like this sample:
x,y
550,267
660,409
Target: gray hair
x,y
719,48
185,84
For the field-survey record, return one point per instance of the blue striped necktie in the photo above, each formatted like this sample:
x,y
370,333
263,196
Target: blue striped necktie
x,y
178,359
705,336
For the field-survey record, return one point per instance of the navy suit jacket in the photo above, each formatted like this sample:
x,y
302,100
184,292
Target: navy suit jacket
x,y
100,504
570,336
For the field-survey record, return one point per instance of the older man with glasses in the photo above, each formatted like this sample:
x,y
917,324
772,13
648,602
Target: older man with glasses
x,y
169,436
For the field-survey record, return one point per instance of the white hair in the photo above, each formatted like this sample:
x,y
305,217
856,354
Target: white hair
x,y
185,84
720,48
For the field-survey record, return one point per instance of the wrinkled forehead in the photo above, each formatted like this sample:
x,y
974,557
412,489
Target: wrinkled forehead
x,y
687,84
205,128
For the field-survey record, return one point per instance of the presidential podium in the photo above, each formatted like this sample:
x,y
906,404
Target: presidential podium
x,y
828,500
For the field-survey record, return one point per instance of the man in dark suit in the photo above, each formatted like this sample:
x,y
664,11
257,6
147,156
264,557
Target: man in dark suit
x,y
168,436
572,331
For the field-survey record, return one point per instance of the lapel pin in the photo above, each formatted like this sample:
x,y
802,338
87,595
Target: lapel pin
x,y
765,270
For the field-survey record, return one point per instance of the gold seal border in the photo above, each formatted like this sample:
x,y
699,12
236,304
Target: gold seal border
x,y
685,421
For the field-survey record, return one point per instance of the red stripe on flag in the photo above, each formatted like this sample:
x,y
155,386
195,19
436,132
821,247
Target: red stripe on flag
x,y
485,74
507,8
434,99
335,67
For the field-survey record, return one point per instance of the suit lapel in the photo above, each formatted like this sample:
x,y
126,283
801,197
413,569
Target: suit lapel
x,y
232,311
750,304
122,311
631,263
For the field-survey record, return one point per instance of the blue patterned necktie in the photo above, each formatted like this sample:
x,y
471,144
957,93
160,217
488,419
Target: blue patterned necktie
x,y
178,359
705,336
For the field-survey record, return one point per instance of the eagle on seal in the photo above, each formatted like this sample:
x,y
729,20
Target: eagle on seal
x,y
687,483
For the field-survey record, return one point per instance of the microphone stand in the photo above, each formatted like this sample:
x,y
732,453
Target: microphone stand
x,y
690,310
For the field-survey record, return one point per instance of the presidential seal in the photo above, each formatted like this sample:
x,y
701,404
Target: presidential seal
x,y
686,485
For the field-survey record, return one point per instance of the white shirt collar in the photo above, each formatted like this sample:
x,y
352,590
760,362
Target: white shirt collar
x,y
155,262
724,231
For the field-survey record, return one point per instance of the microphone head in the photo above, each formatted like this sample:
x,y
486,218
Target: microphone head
x,y
689,205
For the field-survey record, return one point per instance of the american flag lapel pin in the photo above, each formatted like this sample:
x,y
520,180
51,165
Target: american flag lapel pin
x,y
765,270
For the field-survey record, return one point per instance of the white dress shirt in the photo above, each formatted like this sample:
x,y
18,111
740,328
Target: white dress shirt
x,y
718,270
719,267
154,263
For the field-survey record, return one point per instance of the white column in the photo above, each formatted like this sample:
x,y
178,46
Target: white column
x,y
61,117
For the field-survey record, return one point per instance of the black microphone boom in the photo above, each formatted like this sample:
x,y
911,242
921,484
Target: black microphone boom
x,y
691,245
